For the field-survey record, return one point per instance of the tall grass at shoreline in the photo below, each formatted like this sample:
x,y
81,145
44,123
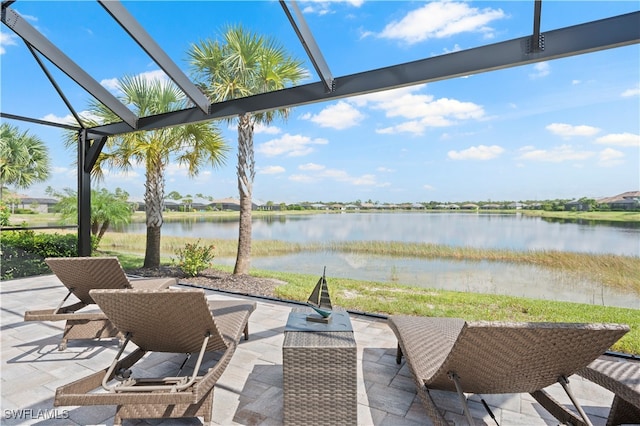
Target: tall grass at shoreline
x,y
620,272
397,298
388,298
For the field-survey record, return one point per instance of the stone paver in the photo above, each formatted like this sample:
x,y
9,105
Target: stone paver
x,y
250,390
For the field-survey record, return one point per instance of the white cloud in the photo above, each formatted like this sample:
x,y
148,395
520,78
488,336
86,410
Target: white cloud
x,y
154,75
67,119
567,130
555,155
338,116
541,69
113,85
428,187
290,145
480,152
413,127
318,172
70,119
311,166
7,39
386,131
382,169
324,7
440,20
386,95
635,91
110,84
456,48
575,82
620,139
271,170
421,110
610,157
263,128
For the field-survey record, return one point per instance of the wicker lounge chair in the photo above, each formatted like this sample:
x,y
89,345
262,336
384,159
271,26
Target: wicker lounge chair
x,y
80,275
451,354
172,321
623,379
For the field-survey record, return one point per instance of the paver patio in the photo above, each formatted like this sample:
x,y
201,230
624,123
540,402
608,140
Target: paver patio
x,y
250,390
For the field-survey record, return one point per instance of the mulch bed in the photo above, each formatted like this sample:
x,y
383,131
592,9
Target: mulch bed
x,y
216,279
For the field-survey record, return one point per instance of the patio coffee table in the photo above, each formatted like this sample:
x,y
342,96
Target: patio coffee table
x,y
319,371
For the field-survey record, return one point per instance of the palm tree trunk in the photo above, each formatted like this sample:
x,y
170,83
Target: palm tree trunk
x,y
154,201
103,229
246,174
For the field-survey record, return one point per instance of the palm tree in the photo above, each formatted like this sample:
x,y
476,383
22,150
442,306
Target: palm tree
x,y
24,159
193,145
244,64
107,208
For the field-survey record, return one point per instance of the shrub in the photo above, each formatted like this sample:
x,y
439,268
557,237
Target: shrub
x,y
193,258
4,214
23,252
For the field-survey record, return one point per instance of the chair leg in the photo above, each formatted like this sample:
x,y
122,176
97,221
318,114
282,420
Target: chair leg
x,y
565,385
246,331
556,409
434,413
453,376
398,354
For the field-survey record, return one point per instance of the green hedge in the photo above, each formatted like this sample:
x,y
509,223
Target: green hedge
x,y
23,252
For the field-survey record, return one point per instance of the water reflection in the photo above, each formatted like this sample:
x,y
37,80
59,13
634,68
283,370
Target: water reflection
x,y
477,277
587,222
491,231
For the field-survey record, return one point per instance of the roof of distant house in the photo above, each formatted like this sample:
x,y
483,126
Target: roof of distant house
x,y
624,196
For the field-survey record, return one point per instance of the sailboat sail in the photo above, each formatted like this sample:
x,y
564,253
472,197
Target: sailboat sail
x,y
319,299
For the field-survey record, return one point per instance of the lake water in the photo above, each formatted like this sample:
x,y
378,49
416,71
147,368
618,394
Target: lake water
x,y
493,231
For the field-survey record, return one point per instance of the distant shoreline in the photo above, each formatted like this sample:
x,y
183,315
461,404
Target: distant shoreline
x,y
39,219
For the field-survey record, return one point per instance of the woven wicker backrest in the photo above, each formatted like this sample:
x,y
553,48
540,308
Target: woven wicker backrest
x,y
85,273
162,320
502,357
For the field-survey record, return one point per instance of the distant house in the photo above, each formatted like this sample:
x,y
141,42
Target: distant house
x,y
38,205
469,206
199,206
170,206
626,201
491,206
368,206
577,205
516,206
226,204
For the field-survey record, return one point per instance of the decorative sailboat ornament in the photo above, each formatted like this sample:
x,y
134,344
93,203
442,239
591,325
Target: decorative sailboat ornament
x,y
320,301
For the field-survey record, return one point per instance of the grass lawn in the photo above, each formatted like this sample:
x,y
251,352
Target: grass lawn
x,y
387,298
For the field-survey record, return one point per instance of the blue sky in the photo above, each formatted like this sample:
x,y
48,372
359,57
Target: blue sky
x,y
561,129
